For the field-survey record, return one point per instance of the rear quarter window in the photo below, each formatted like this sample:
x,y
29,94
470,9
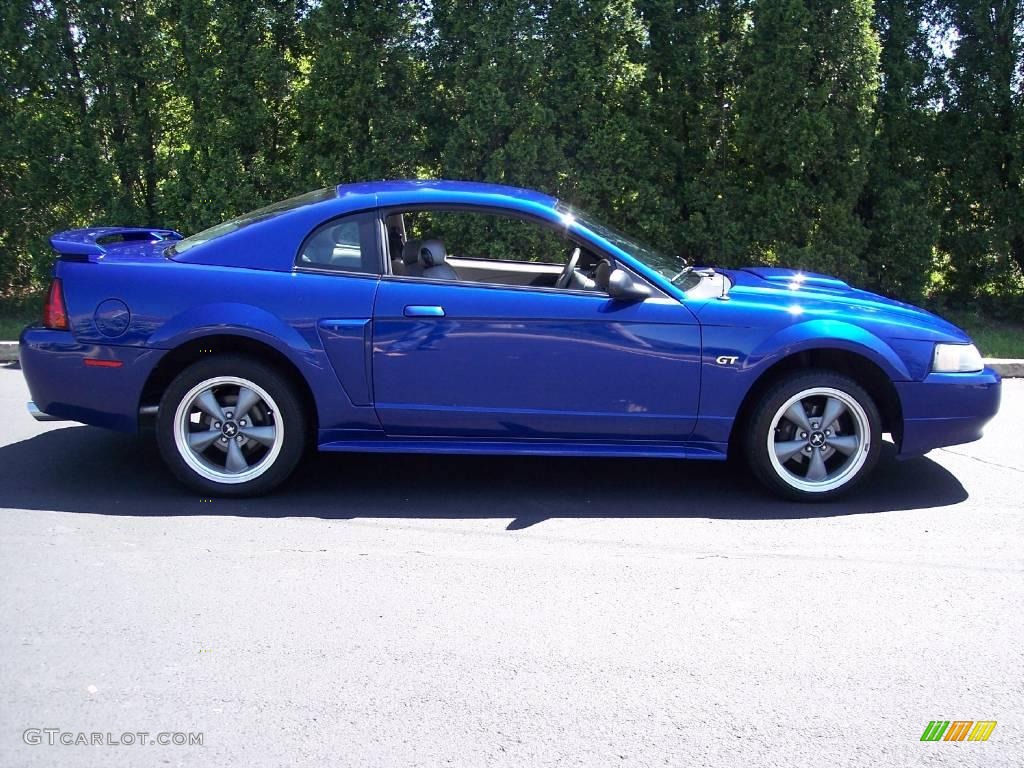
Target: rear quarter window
x,y
348,244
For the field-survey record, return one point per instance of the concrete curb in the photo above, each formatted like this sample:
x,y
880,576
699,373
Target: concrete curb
x,y
1008,369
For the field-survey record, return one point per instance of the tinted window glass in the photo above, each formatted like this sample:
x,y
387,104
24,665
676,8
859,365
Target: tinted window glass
x,y
674,268
348,244
479,235
260,214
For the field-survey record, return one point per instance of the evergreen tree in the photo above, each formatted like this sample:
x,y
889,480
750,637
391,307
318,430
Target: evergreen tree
x,y
485,121
485,118
983,230
898,202
733,131
691,76
361,110
804,129
593,89
236,76
52,175
122,57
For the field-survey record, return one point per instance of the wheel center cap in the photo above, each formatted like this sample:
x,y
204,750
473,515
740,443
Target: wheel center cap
x,y
817,439
230,429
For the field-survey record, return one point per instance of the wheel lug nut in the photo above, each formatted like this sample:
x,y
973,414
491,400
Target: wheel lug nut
x,y
803,435
216,425
828,433
242,423
239,438
228,414
814,425
223,439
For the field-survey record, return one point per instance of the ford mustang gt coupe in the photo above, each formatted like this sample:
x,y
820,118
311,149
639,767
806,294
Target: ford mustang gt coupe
x,y
454,317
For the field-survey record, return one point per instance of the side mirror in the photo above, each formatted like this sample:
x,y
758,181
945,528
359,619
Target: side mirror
x,y
623,287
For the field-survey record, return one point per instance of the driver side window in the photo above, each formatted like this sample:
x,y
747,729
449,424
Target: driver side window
x,y
487,248
488,236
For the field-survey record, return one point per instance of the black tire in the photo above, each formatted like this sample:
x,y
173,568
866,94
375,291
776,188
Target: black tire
x,y
281,410
858,429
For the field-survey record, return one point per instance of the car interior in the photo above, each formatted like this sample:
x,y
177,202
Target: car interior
x,y
487,248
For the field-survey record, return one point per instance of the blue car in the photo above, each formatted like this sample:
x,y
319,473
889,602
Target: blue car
x,y
453,317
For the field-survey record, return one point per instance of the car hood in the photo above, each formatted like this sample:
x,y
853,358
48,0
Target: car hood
x,y
823,293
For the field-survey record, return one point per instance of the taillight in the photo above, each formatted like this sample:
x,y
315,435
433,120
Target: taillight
x,y
55,312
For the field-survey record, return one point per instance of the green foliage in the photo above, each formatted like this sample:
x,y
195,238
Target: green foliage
x,y
359,114
1001,338
983,145
19,311
232,106
593,90
692,71
897,204
882,141
52,173
804,130
486,68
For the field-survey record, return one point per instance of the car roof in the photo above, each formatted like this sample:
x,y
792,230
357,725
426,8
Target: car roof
x,y
388,192
271,242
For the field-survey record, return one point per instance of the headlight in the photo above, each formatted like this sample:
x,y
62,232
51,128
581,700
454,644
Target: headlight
x,y
956,358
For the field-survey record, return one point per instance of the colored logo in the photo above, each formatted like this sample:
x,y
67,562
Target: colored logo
x,y
958,730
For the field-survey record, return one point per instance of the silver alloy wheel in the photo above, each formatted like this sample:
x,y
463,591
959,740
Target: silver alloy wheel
x,y
227,429
819,439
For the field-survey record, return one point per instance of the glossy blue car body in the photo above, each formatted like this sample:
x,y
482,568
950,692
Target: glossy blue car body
x,y
506,369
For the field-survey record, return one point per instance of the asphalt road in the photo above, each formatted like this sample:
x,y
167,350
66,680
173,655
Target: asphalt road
x,y
398,611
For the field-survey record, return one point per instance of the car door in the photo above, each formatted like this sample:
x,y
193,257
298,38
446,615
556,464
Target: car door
x,y
471,360
338,266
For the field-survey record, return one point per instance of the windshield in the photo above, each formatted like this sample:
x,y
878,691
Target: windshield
x,y
673,268
260,214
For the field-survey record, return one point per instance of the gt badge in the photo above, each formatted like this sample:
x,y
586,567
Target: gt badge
x,y
727,359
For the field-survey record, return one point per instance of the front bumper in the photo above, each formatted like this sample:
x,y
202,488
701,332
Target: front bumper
x,y
64,388
946,409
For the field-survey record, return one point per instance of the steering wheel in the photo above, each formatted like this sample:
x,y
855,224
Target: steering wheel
x,y
570,268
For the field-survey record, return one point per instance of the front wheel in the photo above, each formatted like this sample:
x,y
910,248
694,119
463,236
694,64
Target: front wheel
x,y
230,426
814,436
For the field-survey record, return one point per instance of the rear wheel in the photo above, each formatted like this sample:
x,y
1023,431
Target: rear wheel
x,y
814,436
230,426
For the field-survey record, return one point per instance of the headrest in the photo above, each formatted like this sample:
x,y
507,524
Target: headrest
x,y
432,253
411,251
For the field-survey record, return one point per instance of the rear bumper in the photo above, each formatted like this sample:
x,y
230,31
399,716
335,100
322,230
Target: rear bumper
x,y
38,415
946,409
64,388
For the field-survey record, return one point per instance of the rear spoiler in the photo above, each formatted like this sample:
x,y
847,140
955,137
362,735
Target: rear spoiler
x,y
91,244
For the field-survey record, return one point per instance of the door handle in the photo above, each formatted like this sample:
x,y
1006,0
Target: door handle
x,y
420,310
